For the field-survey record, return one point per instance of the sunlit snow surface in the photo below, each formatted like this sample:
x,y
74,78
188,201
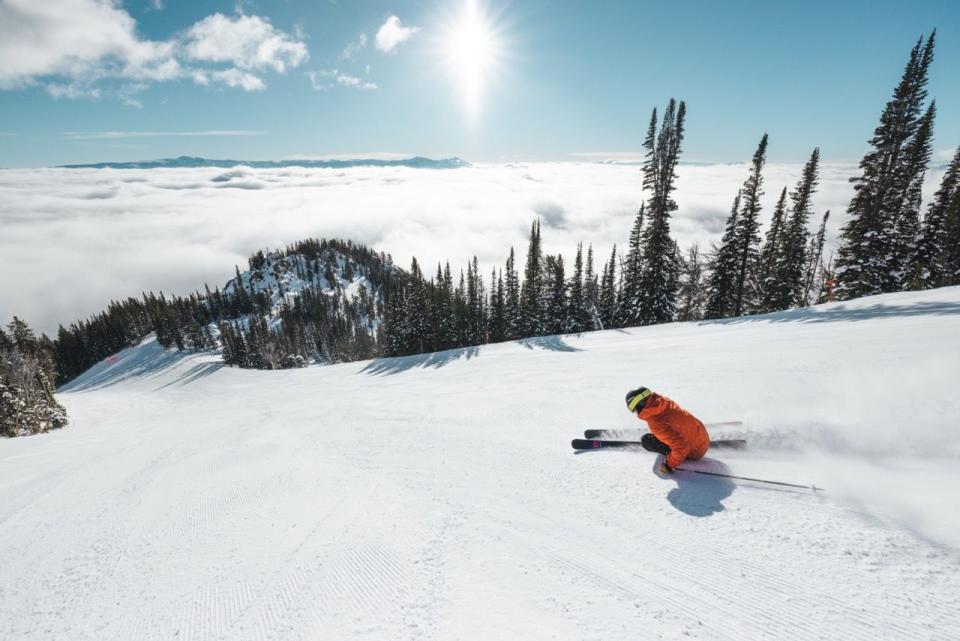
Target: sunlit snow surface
x,y
437,497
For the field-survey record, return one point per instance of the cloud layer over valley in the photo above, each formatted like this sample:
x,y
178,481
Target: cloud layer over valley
x,y
75,239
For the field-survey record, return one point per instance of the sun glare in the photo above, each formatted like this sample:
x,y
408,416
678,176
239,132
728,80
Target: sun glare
x,y
471,52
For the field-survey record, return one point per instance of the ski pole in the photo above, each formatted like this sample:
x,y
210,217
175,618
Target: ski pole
x,y
747,478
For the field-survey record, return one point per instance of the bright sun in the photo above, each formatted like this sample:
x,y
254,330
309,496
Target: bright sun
x,y
472,52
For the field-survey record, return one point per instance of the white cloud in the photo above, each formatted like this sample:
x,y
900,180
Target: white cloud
x,y
324,80
354,47
71,38
392,33
246,42
74,46
99,135
72,91
95,235
946,155
237,78
129,93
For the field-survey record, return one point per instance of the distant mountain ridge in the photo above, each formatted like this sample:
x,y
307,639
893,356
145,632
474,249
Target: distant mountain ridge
x,y
416,162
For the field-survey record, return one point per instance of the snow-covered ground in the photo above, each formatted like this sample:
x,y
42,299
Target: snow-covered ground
x,y
437,497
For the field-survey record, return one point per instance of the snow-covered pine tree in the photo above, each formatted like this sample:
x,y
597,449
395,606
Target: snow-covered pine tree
x,y
630,311
813,271
474,312
497,308
607,297
938,244
555,308
27,405
723,265
578,314
416,324
906,226
747,235
460,313
770,256
513,324
591,291
788,278
658,291
863,265
691,299
785,283
531,291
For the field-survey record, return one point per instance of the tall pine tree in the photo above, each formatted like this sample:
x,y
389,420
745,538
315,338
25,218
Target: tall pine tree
x,y
869,237
936,260
747,234
770,255
723,265
787,286
658,291
531,292
630,310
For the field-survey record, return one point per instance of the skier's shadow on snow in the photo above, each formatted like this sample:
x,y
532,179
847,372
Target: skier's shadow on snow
x,y
699,494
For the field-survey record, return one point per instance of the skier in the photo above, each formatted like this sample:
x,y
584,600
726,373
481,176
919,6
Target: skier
x,y
674,432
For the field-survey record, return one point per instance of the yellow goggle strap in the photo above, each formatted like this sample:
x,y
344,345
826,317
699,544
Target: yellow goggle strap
x,y
638,398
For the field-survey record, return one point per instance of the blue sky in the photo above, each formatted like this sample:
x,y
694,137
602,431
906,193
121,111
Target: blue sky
x,y
269,80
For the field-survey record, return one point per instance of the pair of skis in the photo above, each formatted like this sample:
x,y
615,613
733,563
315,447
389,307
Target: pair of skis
x,y
598,439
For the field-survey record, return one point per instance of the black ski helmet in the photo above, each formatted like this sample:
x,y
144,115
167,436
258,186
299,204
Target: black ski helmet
x,y
637,398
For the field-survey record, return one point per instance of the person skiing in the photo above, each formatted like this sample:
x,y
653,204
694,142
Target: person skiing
x,y
674,432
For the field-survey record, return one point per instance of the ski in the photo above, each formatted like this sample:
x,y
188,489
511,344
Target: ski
x,y
617,434
594,444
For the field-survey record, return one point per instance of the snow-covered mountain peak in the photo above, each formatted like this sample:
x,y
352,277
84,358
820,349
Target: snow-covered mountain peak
x,y
329,269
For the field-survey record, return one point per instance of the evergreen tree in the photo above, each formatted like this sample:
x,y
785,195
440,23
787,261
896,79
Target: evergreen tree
x,y
513,323
788,279
747,235
869,238
770,256
917,155
633,275
692,298
580,318
814,264
723,265
591,291
531,292
27,404
416,325
660,270
607,298
498,315
936,261
555,307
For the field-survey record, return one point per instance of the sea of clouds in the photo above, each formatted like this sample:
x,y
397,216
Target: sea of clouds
x,y
71,240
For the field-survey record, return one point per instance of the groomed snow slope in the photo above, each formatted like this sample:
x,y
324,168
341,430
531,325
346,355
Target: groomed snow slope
x,y
437,497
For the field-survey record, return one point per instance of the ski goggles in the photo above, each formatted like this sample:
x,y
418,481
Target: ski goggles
x,y
638,400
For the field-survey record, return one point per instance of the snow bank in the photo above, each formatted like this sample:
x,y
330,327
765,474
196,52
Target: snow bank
x,y
436,496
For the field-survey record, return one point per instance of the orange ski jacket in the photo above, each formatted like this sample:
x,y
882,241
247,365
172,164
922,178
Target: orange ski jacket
x,y
678,428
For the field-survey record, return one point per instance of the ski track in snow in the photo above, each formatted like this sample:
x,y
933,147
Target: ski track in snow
x,y
436,497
